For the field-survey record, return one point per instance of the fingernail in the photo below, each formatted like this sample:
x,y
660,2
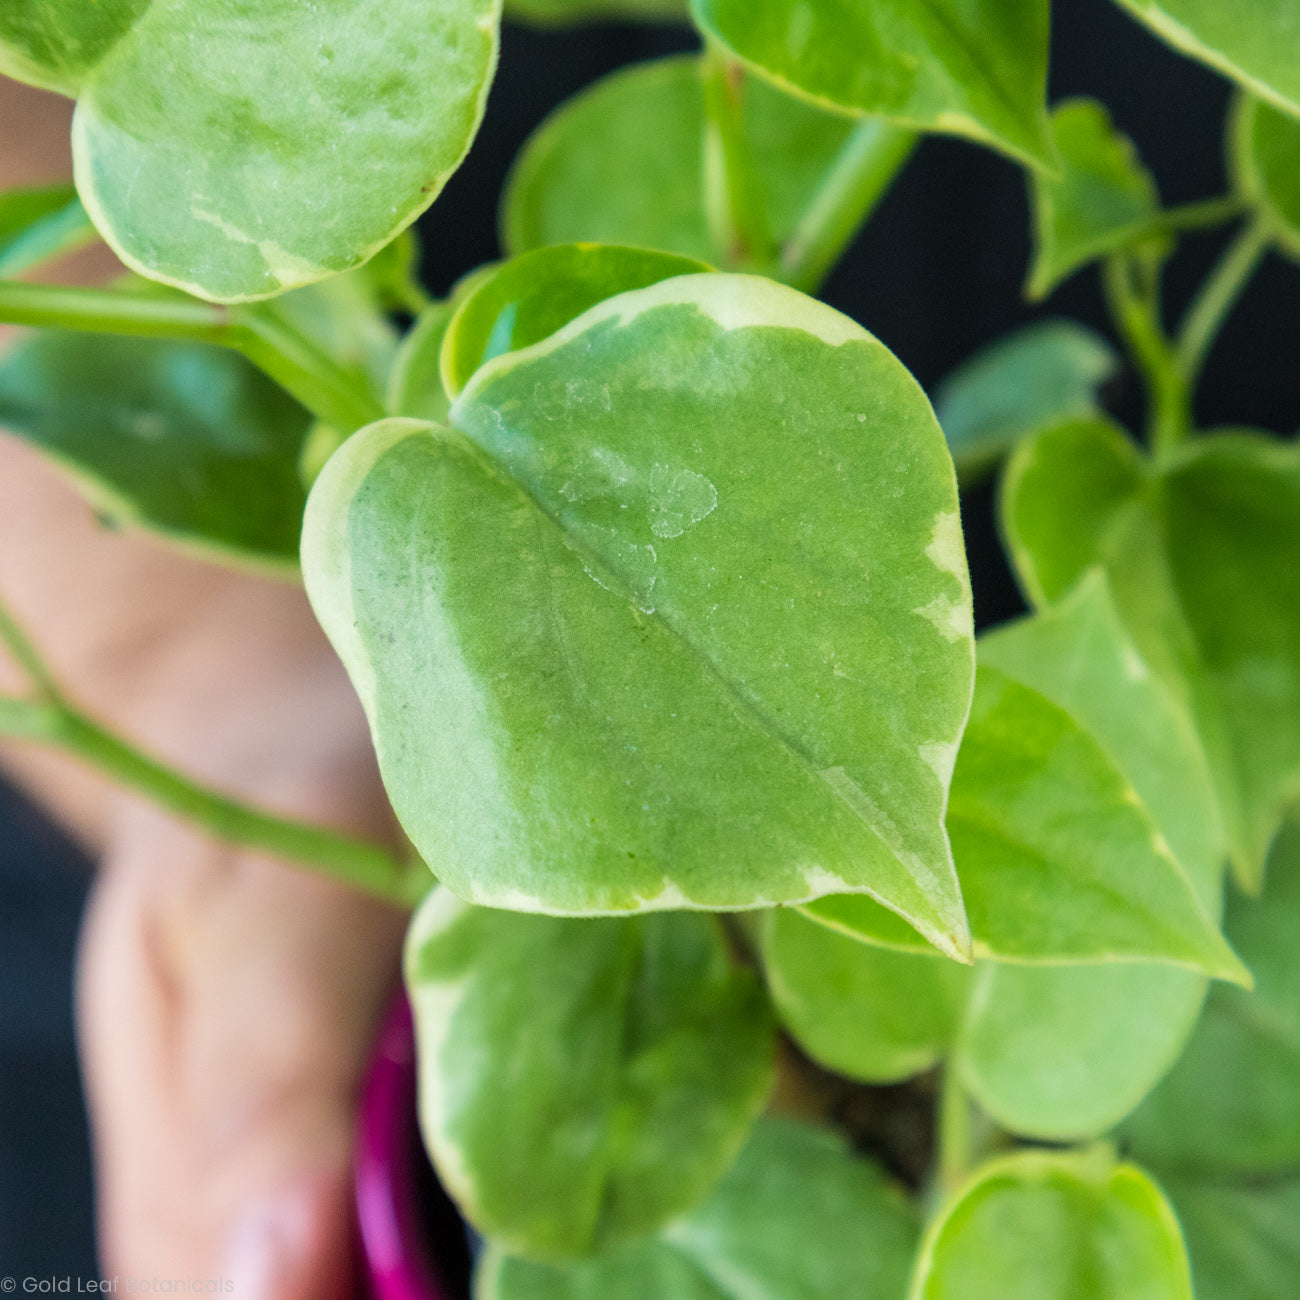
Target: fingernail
x,y
267,1247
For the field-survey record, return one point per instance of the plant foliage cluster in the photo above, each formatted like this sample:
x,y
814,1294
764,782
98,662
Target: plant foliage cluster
x,y
650,577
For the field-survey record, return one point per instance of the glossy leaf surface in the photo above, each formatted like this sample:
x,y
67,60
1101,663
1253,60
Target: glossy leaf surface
x,y
533,295
37,224
237,151
1058,858
655,614
1079,655
1065,1052
1243,1239
796,1218
1266,160
186,440
1232,1103
1204,561
581,1081
1102,200
1054,1226
1047,372
860,1010
976,68
1256,44
593,170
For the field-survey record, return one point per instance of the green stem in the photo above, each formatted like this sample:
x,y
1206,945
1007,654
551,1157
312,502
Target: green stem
x,y
271,344
733,191
27,658
863,170
50,720
1209,310
1201,215
955,1142
1137,317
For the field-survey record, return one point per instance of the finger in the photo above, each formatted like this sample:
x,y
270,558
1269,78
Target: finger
x,y
226,1008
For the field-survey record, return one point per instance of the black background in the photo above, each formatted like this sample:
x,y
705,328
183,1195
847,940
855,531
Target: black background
x,y
936,273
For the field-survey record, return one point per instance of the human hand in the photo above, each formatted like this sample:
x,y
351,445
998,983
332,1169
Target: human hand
x,y
226,1001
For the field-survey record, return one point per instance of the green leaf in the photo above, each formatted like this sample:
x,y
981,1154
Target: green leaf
x,y
1042,374
1081,657
1232,1103
1065,1052
38,224
185,440
1102,200
864,919
1265,160
1054,1226
56,44
1257,44
1204,562
236,151
796,1218
415,379
678,613
862,1011
594,172
1058,858
533,295
581,1081
1244,1240
557,12
976,68
1099,743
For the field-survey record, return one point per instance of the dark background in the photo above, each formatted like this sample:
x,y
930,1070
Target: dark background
x,y
936,273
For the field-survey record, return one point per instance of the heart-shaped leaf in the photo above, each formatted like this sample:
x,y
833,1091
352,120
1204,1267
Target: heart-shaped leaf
x,y
1232,1103
236,151
1054,1226
1257,44
1204,562
676,616
1102,200
976,68
1265,158
581,1081
592,171
860,1010
796,1218
1042,374
533,295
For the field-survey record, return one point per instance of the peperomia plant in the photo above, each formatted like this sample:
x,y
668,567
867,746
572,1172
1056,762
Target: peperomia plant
x,y
648,569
